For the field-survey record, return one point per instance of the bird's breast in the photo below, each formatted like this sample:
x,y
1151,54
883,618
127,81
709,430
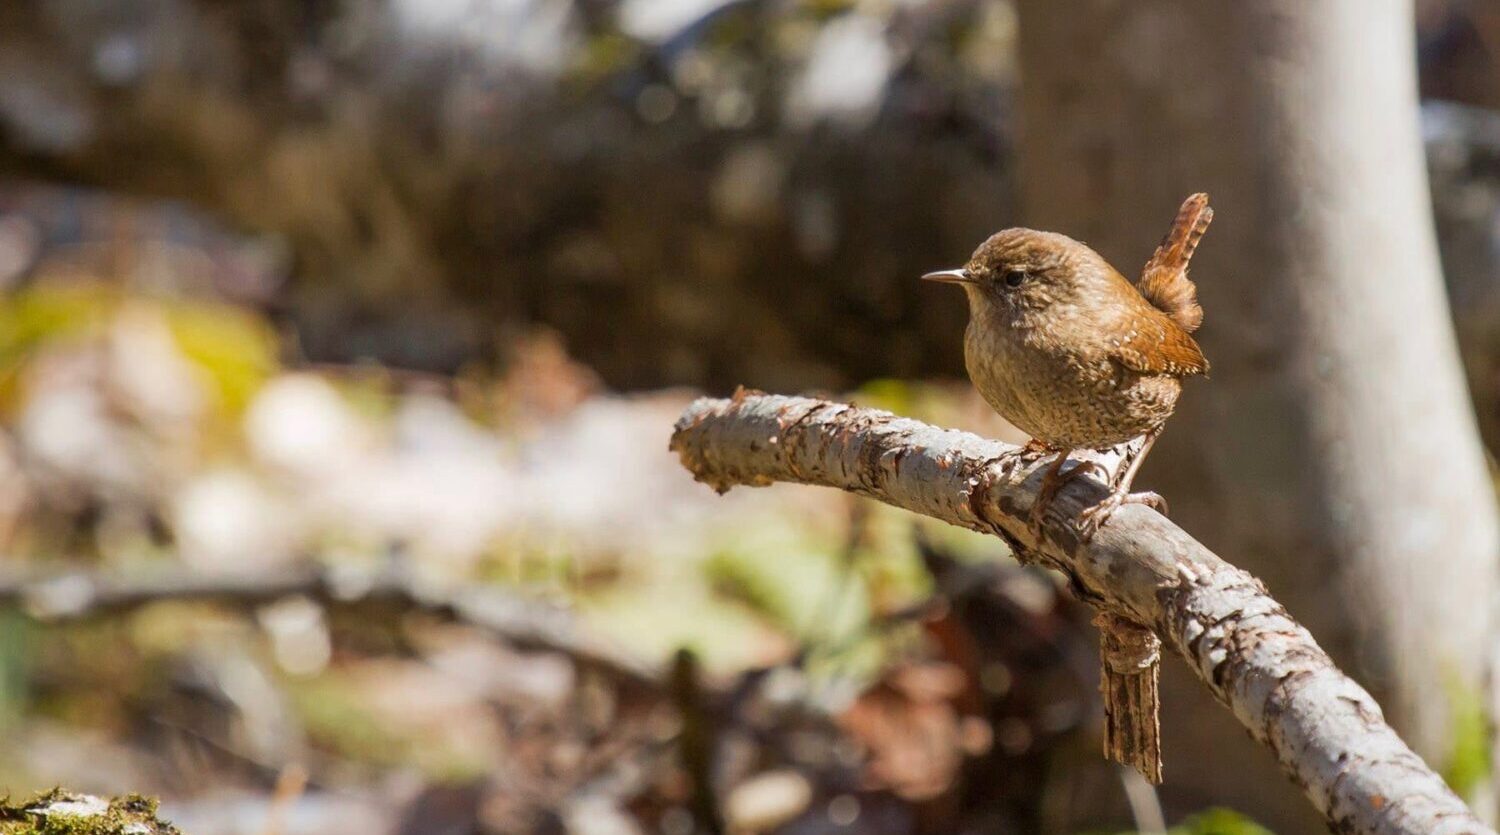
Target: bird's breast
x,y
1063,398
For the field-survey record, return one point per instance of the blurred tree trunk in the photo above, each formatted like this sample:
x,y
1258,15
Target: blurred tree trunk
x,y
1334,450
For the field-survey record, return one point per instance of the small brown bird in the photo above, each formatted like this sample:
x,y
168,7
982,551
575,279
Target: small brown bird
x,y
1065,348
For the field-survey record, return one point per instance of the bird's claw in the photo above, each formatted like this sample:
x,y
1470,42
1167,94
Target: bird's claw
x,y
1083,468
1048,491
1091,519
1151,499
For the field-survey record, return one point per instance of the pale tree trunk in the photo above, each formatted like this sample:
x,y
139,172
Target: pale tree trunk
x,y
1333,453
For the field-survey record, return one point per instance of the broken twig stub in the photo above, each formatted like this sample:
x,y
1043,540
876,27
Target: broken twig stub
x,y
1129,669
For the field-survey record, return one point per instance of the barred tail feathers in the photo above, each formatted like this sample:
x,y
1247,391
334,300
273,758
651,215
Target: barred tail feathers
x,y
1164,281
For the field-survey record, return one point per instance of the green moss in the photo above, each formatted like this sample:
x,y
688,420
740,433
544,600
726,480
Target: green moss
x,y
48,814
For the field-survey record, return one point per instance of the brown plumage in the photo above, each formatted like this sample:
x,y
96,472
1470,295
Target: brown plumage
x,y
1064,347
1164,281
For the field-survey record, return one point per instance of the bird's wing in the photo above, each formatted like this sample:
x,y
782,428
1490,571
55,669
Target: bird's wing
x,y
1155,345
1164,281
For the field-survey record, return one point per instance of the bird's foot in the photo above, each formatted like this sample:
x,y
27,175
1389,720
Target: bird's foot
x,y
1016,460
1054,481
1093,518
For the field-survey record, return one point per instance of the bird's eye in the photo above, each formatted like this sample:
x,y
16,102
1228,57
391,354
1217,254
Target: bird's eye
x,y
1014,278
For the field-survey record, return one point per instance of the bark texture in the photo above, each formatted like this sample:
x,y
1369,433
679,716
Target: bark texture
x,y
1129,675
1328,734
1337,395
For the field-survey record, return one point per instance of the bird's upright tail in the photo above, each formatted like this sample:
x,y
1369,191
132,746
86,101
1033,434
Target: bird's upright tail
x,y
1164,281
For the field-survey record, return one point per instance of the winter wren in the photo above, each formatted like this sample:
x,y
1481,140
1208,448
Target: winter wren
x,y
1065,348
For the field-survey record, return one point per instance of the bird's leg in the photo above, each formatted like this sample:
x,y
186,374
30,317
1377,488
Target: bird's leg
x,y
1093,518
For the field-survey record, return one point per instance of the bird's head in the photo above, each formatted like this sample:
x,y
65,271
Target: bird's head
x,y
1022,271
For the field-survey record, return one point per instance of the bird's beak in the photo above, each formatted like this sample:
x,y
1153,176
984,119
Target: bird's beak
x,y
949,277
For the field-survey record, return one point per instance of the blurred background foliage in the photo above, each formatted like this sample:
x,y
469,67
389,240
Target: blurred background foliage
x,y
407,287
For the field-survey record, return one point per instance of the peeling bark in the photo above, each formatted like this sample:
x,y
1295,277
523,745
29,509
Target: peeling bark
x,y
1129,672
1328,734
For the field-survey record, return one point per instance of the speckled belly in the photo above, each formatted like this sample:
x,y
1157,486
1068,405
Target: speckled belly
x,y
1066,401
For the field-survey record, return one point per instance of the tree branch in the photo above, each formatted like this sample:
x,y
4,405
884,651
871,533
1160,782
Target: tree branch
x,y
1328,734
522,623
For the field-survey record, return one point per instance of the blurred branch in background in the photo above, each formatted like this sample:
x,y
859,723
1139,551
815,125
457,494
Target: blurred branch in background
x,y
525,624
